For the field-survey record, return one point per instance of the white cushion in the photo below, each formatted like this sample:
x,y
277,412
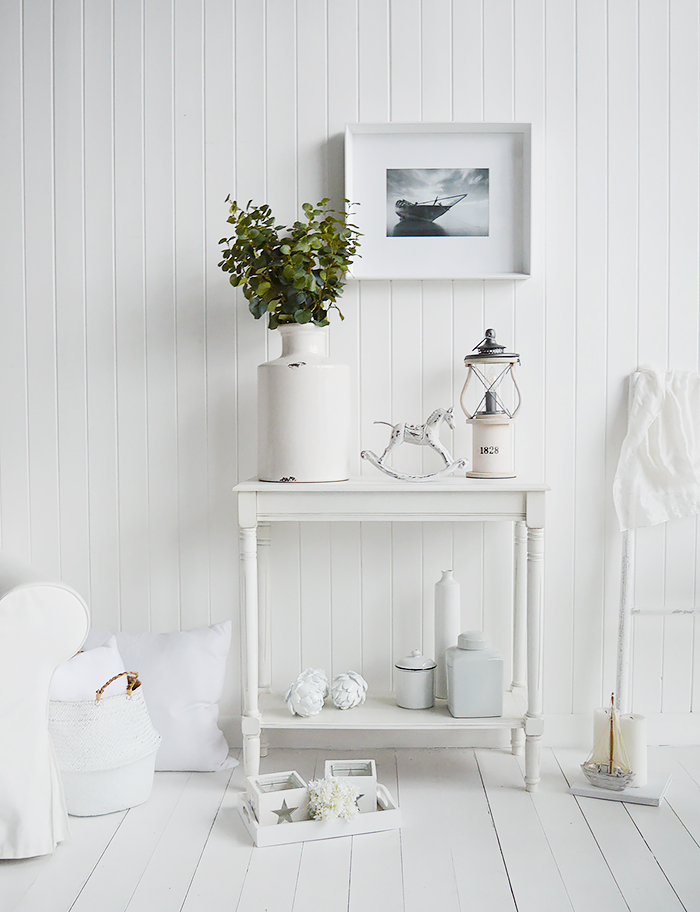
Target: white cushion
x,y
182,674
85,673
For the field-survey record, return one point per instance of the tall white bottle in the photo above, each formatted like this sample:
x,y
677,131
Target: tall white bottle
x,y
447,626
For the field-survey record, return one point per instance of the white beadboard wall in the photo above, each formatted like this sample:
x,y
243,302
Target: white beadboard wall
x,y
128,364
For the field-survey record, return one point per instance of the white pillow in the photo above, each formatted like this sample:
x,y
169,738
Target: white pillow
x,y
182,674
83,674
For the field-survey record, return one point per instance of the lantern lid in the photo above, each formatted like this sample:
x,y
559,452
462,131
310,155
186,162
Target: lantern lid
x,y
489,349
416,662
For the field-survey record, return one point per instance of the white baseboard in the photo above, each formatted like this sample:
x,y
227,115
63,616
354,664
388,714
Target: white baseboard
x,y
570,730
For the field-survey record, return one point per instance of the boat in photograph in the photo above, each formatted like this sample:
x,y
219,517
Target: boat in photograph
x,y
607,766
426,211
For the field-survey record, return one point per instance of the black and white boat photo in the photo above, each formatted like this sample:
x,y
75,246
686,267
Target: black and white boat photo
x,y
437,202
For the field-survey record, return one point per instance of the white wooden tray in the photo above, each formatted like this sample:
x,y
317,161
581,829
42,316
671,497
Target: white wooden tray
x,y
388,817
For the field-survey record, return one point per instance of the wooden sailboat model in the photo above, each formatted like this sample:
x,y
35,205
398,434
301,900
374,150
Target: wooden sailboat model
x,y
607,766
428,210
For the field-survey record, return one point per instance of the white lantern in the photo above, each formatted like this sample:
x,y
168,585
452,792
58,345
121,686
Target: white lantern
x,y
491,419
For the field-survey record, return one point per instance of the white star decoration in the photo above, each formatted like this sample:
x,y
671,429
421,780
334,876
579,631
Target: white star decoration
x,y
284,814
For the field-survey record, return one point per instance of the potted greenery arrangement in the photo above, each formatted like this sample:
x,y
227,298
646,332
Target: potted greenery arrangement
x,y
295,275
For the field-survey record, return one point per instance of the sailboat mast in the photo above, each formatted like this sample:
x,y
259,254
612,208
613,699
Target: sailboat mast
x,y
612,742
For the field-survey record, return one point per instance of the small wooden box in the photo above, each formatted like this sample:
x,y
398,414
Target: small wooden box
x,y
363,774
278,798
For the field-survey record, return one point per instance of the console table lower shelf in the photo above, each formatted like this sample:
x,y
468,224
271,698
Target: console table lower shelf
x,y
380,713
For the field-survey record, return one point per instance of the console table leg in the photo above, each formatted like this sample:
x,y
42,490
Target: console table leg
x,y
533,717
264,539
517,741
250,723
520,606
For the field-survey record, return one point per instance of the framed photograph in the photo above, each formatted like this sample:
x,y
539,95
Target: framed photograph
x,y
440,201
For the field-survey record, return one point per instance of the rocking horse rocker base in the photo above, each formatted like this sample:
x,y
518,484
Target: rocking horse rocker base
x,y
423,435
402,476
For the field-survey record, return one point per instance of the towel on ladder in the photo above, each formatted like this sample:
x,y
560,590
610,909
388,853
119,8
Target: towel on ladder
x,y
658,474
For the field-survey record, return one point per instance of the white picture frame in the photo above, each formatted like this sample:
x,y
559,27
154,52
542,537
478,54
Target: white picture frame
x,y
485,234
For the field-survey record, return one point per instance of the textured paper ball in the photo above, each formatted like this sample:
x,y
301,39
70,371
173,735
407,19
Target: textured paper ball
x,y
348,690
306,695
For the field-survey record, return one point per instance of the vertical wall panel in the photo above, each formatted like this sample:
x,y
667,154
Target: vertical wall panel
x,y
591,314
190,255
39,284
130,313
161,346
70,294
652,549
221,356
436,67
100,316
683,322
653,320
281,109
622,286
345,538
14,459
128,362
250,158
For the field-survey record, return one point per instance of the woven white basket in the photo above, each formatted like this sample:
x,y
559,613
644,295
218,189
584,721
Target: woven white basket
x,y
105,750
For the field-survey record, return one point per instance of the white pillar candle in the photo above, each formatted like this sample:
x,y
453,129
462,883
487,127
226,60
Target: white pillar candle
x,y
634,735
601,723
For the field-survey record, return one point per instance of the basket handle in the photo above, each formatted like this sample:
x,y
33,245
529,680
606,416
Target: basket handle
x,y
132,678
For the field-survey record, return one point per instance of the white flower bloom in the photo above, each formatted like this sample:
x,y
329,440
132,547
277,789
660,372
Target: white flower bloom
x,y
332,798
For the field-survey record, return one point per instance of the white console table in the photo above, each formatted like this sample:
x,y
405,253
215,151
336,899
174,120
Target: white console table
x,y
362,500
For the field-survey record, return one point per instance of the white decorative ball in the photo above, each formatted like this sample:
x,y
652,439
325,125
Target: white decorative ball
x,y
348,690
306,695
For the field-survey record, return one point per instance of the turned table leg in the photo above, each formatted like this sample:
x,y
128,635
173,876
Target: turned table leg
x,y
250,723
533,717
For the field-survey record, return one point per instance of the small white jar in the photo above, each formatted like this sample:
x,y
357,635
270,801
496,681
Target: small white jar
x,y
415,681
474,677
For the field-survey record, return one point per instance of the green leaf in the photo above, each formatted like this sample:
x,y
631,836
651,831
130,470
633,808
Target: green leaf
x,y
303,316
257,307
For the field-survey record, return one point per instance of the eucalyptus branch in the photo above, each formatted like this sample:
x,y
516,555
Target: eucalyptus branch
x,y
293,274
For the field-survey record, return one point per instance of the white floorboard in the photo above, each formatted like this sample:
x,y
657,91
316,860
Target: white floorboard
x,y
472,838
532,870
582,867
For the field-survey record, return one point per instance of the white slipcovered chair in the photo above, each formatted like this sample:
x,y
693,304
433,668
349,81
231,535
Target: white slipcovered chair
x,y
42,623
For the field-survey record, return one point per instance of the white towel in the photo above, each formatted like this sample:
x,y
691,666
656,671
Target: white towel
x,y
658,475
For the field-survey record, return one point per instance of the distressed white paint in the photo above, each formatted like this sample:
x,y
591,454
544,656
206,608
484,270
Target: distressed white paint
x,y
127,364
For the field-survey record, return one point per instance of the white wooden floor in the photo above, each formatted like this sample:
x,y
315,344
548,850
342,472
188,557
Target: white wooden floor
x,y
472,839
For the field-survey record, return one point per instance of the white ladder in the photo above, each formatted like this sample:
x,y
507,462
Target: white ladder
x,y
627,609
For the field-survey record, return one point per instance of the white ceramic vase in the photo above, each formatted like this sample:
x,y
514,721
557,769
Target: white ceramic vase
x,y
303,410
447,626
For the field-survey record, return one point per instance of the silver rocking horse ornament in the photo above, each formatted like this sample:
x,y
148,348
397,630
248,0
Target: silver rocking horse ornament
x,y
423,435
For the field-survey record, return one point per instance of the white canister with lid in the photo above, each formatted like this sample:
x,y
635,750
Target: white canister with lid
x,y
474,677
415,681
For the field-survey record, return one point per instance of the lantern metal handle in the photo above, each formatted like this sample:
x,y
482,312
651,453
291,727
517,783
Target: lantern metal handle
x,y
517,390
